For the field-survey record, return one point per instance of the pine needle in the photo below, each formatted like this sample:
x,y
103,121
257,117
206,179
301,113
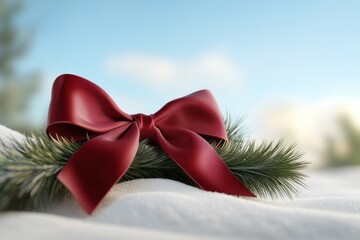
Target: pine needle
x,y
28,170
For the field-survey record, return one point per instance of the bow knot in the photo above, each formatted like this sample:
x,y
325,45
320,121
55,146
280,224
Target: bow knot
x,y
146,125
79,107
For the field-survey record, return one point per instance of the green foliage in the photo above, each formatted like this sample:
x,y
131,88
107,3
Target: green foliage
x,y
15,90
351,137
28,170
270,169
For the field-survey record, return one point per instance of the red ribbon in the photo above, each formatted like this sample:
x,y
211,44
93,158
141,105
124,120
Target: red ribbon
x,y
79,109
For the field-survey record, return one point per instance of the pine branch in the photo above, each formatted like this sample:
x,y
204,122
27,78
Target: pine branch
x,y
270,169
28,171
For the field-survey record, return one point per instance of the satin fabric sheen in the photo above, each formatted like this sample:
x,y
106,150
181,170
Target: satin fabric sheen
x,y
79,109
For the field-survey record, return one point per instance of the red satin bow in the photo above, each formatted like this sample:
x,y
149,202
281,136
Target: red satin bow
x,y
80,108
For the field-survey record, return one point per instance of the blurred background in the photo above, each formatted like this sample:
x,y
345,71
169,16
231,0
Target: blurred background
x,y
290,68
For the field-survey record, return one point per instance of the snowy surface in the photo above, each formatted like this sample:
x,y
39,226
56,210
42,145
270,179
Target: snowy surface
x,y
6,135
165,209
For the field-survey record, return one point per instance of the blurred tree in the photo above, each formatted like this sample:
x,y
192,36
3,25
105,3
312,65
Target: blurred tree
x,y
15,89
350,152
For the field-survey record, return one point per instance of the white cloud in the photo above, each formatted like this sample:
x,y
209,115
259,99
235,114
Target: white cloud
x,y
308,124
211,69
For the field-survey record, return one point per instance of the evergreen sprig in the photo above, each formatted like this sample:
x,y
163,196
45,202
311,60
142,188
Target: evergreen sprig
x,y
28,170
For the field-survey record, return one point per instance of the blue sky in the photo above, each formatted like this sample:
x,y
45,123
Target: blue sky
x,y
249,53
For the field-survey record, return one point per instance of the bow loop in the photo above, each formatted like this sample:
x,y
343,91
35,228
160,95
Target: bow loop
x,y
197,112
79,109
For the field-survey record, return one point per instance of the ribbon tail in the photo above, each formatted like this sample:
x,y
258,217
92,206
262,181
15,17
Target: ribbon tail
x,y
200,161
99,164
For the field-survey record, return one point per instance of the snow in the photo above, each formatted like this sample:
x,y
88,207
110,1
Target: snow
x,y
6,135
164,209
